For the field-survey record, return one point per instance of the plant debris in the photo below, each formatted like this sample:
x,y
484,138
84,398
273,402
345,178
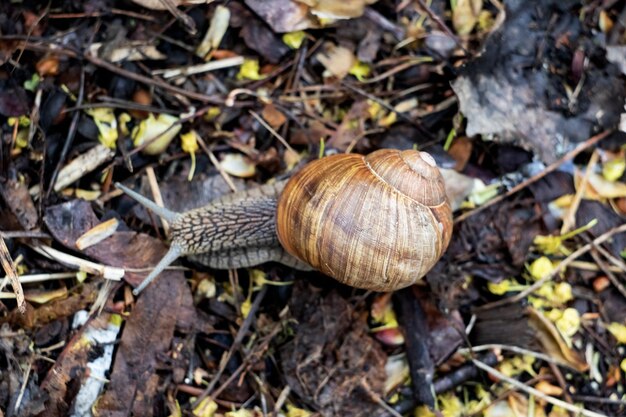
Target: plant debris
x,y
520,103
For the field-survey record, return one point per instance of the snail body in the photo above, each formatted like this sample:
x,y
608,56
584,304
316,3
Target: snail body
x,y
377,222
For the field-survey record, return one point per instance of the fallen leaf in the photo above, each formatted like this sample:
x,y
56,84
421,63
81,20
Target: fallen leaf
x,y
337,60
283,15
552,342
238,165
159,131
465,15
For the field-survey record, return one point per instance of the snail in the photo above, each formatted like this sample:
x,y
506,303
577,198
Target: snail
x,y
377,222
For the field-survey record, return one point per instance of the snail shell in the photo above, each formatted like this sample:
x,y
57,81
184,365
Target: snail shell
x,y
378,222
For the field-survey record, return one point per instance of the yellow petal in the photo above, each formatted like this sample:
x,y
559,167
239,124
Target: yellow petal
x,y
105,121
164,128
293,411
206,408
294,39
618,331
540,267
613,170
569,323
360,70
189,141
249,70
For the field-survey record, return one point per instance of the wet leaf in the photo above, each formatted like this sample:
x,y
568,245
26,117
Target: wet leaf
x,y
465,15
552,342
215,33
160,131
337,60
283,15
238,165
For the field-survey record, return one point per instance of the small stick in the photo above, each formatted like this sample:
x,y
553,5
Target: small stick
x,y
415,329
156,196
570,217
535,392
552,167
11,273
562,265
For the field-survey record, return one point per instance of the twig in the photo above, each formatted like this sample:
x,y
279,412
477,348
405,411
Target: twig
x,y
17,234
71,133
516,349
415,329
570,216
217,165
107,272
11,273
156,196
552,167
272,131
535,392
562,265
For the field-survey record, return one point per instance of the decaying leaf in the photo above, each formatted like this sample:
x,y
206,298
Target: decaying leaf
x,y
332,355
337,60
216,31
238,165
332,9
465,15
283,15
552,342
158,131
511,102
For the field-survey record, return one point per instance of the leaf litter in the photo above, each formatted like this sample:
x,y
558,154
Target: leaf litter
x,y
521,103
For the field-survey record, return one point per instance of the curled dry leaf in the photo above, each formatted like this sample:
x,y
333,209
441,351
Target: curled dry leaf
x,y
97,234
332,9
553,343
216,31
337,60
238,165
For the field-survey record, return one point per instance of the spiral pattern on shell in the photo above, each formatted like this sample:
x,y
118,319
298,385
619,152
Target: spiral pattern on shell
x,y
378,222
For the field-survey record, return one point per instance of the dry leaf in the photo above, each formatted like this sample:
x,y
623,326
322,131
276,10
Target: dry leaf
x,y
273,116
465,15
216,31
97,234
552,342
332,9
238,165
283,15
337,60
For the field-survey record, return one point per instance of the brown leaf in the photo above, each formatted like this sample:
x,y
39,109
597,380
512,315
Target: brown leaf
x,y
283,15
552,342
18,200
146,338
273,116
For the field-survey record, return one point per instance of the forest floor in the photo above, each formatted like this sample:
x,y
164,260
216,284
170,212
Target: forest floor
x,y
520,103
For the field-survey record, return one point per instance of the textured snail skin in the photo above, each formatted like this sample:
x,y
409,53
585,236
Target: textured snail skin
x,y
378,222
235,231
